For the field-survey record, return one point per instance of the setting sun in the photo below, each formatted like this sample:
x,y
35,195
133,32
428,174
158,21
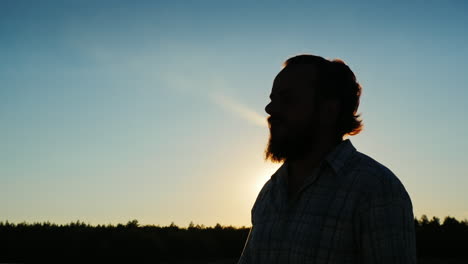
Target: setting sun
x,y
265,174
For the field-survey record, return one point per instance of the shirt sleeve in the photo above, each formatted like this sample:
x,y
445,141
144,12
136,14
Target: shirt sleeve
x,y
387,231
246,255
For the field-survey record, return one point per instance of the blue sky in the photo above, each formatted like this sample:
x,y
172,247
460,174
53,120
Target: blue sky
x,y
115,110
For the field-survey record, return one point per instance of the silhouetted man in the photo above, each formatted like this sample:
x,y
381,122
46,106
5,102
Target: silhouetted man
x,y
327,203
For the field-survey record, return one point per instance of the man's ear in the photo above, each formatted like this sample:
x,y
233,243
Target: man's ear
x,y
330,111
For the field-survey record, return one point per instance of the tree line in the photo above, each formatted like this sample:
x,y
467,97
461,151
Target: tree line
x,y
78,241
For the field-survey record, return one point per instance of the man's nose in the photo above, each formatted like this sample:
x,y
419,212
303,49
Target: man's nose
x,y
269,108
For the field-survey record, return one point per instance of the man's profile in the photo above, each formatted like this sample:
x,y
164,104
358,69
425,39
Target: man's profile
x,y
327,203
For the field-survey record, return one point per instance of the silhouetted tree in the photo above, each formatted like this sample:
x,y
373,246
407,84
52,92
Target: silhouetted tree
x,y
132,224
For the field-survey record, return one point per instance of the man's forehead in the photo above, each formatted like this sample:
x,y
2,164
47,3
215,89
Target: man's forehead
x,y
294,76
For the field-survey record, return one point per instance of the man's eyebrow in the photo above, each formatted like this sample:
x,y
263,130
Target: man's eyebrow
x,y
280,93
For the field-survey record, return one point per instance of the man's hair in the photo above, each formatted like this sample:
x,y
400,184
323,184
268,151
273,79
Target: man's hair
x,y
335,80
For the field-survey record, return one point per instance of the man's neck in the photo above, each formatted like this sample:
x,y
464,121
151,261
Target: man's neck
x,y
299,169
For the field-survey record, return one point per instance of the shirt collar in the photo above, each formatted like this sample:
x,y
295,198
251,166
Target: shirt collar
x,y
338,157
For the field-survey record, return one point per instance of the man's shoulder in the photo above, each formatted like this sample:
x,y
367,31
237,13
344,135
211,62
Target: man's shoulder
x,y
369,167
374,177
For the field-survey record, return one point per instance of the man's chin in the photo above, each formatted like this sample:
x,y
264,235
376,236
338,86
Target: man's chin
x,y
275,151
278,135
280,149
274,157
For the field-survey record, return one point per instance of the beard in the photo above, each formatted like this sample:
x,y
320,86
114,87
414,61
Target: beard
x,y
292,143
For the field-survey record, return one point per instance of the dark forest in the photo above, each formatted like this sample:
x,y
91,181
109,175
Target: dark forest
x,y
437,242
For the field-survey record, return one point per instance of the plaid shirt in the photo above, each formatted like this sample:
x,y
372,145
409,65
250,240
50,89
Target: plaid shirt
x,y
351,210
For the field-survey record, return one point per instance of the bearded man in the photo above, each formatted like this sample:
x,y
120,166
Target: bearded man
x,y
327,203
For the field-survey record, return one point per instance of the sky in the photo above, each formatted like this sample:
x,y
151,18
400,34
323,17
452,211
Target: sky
x,y
154,110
